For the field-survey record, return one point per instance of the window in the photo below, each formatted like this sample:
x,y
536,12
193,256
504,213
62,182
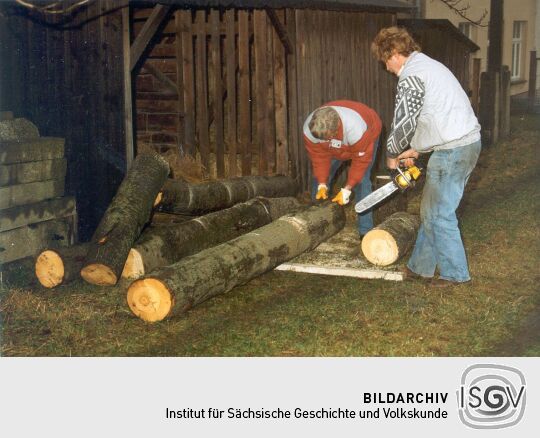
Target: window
x,y
517,48
465,29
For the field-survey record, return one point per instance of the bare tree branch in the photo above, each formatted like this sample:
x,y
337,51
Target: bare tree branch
x,y
462,10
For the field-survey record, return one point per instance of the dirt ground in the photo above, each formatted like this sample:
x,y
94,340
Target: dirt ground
x,y
292,314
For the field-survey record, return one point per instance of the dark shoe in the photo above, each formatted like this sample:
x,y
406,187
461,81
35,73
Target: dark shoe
x,y
440,283
410,275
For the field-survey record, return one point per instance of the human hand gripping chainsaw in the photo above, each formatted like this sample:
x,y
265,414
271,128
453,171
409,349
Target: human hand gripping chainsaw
x,y
401,179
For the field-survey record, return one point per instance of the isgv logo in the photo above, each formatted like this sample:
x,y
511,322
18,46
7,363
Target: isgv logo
x,y
491,396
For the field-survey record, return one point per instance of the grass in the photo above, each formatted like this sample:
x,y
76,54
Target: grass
x,y
290,314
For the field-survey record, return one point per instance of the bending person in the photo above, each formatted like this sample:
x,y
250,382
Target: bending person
x,y
341,131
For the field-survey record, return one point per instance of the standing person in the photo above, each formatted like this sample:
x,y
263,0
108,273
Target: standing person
x,y
432,113
339,131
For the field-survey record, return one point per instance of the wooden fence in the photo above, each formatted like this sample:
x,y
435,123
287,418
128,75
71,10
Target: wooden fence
x,y
215,87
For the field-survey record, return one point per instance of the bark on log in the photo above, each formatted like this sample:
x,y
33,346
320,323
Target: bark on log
x,y
178,287
180,197
124,220
388,242
165,245
60,265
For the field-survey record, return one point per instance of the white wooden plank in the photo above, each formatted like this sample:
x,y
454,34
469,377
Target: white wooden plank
x,y
341,272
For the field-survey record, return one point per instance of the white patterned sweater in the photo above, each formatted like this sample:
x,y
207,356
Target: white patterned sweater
x,y
432,111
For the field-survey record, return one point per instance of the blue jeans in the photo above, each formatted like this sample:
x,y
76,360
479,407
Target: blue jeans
x,y
438,243
360,190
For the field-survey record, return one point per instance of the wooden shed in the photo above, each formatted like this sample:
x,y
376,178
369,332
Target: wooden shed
x,y
227,82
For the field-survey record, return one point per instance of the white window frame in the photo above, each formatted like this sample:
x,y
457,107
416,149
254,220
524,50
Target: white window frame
x,y
517,48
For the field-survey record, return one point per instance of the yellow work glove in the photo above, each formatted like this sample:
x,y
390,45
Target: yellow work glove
x,y
322,192
342,197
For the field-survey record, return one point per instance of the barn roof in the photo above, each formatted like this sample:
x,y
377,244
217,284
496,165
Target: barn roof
x,y
337,5
441,24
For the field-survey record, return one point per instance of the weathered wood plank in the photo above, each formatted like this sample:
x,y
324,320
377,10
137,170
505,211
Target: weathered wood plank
x,y
292,98
32,171
270,116
261,88
29,240
244,100
218,92
186,37
20,194
202,90
276,18
27,214
230,68
180,104
280,102
154,21
128,90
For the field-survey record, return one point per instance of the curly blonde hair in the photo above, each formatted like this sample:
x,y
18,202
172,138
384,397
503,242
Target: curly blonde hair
x,y
392,40
325,119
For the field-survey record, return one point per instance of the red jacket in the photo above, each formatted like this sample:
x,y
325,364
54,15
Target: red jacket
x,y
360,152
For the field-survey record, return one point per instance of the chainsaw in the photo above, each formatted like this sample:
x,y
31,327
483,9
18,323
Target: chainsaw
x,y
402,180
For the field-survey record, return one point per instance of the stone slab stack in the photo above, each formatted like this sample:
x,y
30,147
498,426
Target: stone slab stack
x,y
34,213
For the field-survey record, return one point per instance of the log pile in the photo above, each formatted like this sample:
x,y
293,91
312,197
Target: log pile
x,y
250,225
112,249
34,213
164,245
176,288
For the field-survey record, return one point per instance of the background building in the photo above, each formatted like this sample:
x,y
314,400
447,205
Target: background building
x,y
520,32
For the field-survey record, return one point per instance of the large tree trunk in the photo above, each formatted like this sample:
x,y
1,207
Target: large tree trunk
x,y
60,265
181,197
123,221
176,288
388,242
165,245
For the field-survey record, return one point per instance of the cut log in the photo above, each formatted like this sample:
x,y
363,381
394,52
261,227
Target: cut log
x,y
30,239
165,245
44,148
24,173
176,288
123,221
16,217
55,266
17,130
388,242
184,198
